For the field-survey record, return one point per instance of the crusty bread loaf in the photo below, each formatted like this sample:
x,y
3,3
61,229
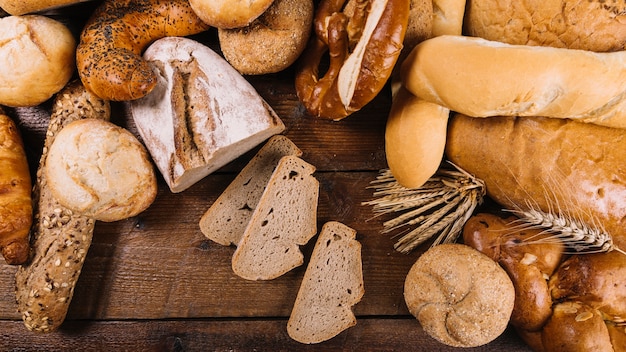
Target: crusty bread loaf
x,y
226,219
16,210
284,219
272,42
332,285
590,25
227,13
100,170
546,164
460,296
59,237
21,7
518,80
201,115
448,17
38,55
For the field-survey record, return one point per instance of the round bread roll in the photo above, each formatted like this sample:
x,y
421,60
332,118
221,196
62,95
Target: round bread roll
x,y
460,296
272,42
587,25
37,59
229,13
100,170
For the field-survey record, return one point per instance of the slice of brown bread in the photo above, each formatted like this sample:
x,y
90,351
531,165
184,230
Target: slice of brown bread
x,y
332,284
284,219
225,221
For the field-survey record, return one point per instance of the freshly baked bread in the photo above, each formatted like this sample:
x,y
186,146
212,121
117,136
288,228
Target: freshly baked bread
x,y
588,25
201,115
100,170
460,296
229,13
16,210
22,7
225,221
284,219
546,164
38,59
272,42
551,82
332,284
448,17
60,238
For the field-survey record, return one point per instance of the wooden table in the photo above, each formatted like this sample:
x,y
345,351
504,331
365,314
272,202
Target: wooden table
x,y
155,283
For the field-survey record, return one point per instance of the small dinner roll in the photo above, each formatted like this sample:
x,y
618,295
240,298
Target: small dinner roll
x,y
37,59
229,13
100,170
460,296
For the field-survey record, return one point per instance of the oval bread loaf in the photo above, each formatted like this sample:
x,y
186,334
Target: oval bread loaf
x,y
22,7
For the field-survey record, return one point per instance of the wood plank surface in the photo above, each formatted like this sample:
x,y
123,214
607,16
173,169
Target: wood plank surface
x,y
155,283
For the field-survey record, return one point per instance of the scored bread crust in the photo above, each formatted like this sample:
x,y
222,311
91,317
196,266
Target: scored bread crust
x,y
460,296
226,219
331,286
60,238
284,219
590,25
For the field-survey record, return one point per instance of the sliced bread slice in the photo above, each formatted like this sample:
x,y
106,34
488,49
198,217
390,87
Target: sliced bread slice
x,y
332,284
284,219
226,219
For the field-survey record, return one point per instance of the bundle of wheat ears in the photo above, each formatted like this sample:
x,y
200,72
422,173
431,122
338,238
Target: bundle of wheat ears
x,y
442,206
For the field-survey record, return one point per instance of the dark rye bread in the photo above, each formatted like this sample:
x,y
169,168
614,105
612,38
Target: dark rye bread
x,y
332,284
225,221
284,219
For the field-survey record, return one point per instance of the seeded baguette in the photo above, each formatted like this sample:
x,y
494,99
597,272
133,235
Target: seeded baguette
x,y
60,239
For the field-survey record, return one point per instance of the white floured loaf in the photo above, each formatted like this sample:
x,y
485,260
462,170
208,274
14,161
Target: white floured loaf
x,y
284,219
225,221
332,285
202,114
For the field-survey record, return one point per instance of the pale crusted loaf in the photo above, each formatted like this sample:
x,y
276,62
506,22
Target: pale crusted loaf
x,y
544,81
60,238
332,285
284,219
201,115
225,221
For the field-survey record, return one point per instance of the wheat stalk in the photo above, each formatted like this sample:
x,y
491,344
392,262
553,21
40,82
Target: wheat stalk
x,y
438,208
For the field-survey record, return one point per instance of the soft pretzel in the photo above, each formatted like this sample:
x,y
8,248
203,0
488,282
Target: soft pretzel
x,y
363,39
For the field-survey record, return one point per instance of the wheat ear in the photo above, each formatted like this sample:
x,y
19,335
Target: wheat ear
x,y
439,208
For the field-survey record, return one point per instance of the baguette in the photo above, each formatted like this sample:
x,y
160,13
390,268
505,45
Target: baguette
x,y
226,220
481,78
60,238
284,219
332,284
16,211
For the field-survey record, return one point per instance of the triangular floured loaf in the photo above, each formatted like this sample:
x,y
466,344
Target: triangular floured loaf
x,y
285,218
332,284
201,115
225,221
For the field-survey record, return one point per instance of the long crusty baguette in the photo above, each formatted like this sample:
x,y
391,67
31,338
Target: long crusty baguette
x,y
60,238
226,219
482,78
332,285
16,211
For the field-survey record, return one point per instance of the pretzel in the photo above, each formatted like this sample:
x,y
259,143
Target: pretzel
x,y
363,39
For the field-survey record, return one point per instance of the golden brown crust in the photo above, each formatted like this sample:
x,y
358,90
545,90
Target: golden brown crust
x,y
229,14
272,42
16,212
337,34
576,327
109,52
21,7
587,25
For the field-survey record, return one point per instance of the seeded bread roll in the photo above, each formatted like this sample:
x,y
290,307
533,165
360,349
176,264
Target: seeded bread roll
x,y
272,42
60,238
227,218
284,219
460,296
100,170
332,285
591,25
38,59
